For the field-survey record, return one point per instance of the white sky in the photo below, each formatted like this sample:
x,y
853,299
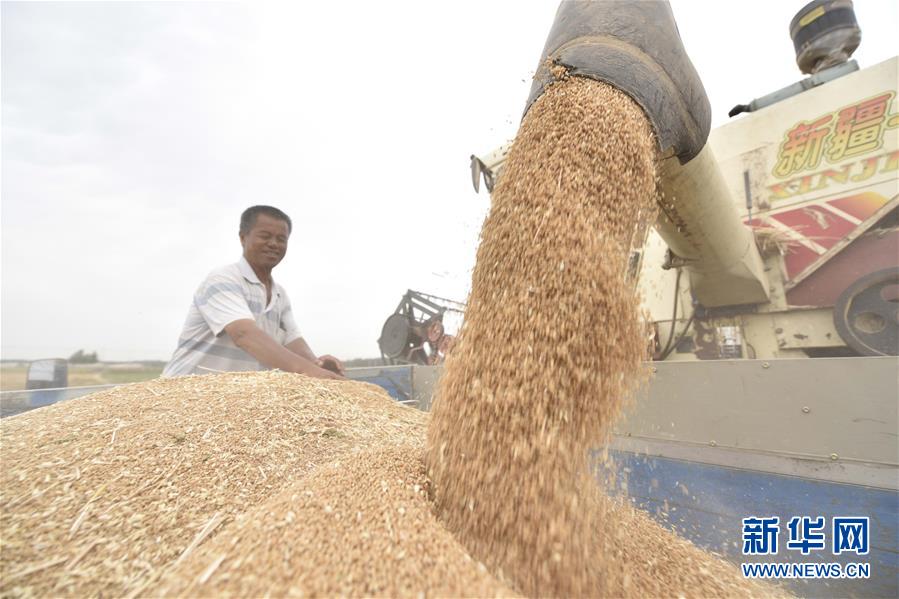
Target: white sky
x,y
133,135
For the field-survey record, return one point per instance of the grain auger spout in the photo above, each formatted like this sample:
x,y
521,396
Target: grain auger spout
x,y
635,46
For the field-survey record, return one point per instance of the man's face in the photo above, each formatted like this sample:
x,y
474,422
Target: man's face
x,y
266,243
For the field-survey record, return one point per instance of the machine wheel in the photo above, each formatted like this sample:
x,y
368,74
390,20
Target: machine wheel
x,y
395,336
867,314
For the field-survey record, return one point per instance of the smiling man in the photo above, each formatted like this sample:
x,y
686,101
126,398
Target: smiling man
x,y
241,319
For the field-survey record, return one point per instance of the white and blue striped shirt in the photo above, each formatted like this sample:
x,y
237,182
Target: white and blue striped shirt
x,y
229,293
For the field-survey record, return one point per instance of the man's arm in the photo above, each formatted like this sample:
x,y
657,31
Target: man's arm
x,y
302,349
256,342
327,361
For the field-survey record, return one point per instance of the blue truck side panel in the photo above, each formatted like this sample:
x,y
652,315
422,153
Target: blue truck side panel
x,y
707,503
397,382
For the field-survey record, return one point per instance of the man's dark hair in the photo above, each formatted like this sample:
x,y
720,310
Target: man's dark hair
x,y
248,218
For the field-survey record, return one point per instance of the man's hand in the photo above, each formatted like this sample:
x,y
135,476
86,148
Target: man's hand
x,y
329,362
256,342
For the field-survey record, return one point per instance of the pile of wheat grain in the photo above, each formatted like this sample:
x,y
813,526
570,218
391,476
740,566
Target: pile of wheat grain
x,y
101,493
360,527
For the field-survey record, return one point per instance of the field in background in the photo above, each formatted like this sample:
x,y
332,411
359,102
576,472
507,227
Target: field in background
x,y
12,376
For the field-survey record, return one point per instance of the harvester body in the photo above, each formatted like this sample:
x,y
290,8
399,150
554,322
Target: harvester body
x,y
815,178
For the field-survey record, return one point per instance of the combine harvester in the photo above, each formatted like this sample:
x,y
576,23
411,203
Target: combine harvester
x,y
772,282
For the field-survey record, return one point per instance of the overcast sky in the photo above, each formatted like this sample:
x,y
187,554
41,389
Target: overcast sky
x,y
134,134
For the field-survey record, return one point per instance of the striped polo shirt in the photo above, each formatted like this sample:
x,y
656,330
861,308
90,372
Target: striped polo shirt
x,y
229,293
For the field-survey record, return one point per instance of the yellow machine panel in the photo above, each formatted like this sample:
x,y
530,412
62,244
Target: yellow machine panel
x,y
816,177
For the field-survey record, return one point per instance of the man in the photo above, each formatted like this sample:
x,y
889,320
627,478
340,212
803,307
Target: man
x,y
241,319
